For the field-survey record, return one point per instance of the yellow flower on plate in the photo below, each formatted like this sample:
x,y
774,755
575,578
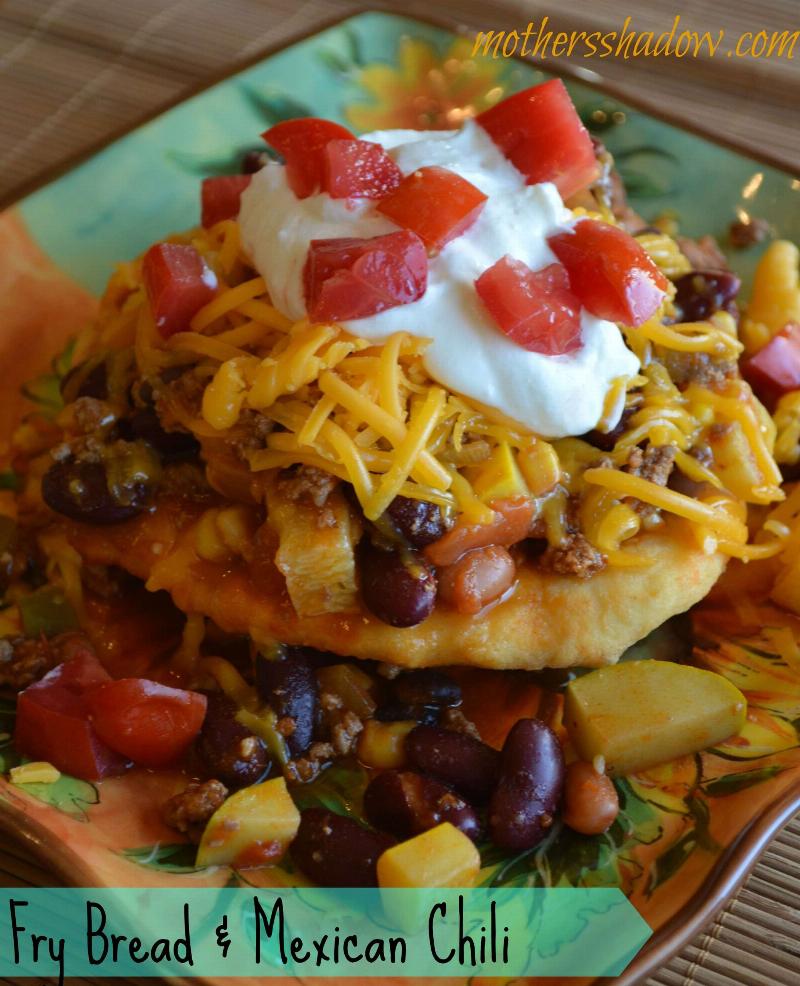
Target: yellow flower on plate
x,y
426,90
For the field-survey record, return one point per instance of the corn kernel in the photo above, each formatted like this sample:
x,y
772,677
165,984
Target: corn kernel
x,y
208,541
36,772
235,528
253,827
382,744
540,466
441,857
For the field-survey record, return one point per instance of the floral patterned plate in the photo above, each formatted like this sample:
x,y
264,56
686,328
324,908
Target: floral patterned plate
x,y
688,831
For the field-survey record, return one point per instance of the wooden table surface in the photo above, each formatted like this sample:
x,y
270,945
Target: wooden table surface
x,y
75,72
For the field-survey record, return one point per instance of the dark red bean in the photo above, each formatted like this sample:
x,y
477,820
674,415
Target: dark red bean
x,y
426,686
393,711
229,751
93,384
700,293
400,591
253,161
335,851
405,804
171,446
606,440
289,685
419,522
528,792
79,490
459,760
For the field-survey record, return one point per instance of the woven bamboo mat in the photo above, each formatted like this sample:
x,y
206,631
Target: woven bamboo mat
x,y
75,72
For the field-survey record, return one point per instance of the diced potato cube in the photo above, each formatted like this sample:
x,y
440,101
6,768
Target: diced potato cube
x,y
441,857
734,461
252,828
642,713
499,477
540,467
353,686
382,744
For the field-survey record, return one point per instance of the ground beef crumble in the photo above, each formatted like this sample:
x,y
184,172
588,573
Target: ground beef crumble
x,y
655,463
576,556
700,368
190,809
308,484
26,660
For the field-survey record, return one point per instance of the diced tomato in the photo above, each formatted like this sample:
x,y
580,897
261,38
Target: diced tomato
x,y
151,724
353,278
775,369
178,283
610,272
437,204
511,524
536,309
301,144
53,721
540,132
220,197
359,169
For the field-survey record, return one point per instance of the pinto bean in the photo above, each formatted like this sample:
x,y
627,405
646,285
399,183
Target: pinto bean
x,y
406,803
591,802
458,760
524,803
477,578
335,851
512,523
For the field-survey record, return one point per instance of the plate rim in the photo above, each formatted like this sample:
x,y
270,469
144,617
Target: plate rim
x,y
739,858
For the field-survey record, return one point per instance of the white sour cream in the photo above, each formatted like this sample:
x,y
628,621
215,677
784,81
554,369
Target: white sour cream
x,y
553,396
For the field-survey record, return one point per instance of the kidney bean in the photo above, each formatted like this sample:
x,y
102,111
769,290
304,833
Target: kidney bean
x,y
426,686
591,802
606,440
700,293
400,591
335,851
253,161
393,711
419,522
79,490
523,804
289,685
94,384
171,446
477,578
229,751
460,761
405,804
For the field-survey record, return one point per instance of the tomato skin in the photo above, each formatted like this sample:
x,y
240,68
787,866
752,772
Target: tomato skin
x,y
301,143
535,309
149,723
220,198
610,272
178,283
349,278
53,721
775,369
436,204
540,132
358,169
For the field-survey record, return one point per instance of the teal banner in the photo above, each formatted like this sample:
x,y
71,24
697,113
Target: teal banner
x,y
345,933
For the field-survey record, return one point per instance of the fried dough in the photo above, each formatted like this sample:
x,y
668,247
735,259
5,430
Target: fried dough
x,y
549,621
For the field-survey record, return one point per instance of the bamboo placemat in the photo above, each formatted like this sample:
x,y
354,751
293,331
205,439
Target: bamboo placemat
x,y
75,72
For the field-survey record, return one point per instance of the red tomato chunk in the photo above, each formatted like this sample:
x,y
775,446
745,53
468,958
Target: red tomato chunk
x,y
301,144
53,721
220,198
536,309
775,369
436,204
151,724
540,132
359,169
178,283
353,278
610,272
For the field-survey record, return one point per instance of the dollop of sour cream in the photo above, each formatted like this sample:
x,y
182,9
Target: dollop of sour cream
x,y
553,396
